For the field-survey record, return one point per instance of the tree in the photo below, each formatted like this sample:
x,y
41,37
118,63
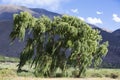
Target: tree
x,y
47,43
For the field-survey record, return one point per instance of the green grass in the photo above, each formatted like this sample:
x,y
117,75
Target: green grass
x,y
8,59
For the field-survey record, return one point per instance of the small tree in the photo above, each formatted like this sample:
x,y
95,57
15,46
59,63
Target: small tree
x,y
48,41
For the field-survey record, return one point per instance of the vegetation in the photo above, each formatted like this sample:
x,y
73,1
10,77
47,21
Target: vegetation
x,y
111,73
10,71
61,43
8,59
7,73
110,65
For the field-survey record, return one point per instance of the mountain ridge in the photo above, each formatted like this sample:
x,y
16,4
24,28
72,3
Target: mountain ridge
x,y
7,11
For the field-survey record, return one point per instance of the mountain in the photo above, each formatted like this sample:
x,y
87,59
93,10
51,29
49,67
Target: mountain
x,y
44,12
113,56
5,48
6,23
116,33
7,11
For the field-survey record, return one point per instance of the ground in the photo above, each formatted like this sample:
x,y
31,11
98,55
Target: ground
x,y
8,71
24,78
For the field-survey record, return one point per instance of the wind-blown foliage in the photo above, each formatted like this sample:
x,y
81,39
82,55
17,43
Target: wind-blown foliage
x,y
49,42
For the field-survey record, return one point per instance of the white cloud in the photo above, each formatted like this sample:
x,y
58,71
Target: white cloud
x,y
98,12
81,18
74,10
116,18
49,4
94,20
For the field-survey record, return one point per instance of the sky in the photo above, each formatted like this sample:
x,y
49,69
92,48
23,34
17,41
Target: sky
x,y
102,13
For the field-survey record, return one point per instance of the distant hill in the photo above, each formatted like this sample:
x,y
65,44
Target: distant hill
x,y
113,56
44,12
116,33
7,11
6,24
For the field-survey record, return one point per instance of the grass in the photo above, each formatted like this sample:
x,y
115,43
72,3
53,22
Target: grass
x,y
30,78
8,71
8,67
111,73
8,59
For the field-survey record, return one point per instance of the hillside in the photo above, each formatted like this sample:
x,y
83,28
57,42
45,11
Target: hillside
x,y
116,33
113,55
7,11
6,23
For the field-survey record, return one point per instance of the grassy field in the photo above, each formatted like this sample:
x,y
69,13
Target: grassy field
x,y
8,71
8,59
24,78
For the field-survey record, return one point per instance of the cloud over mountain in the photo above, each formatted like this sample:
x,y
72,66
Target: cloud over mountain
x,y
116,18
94,20
50,4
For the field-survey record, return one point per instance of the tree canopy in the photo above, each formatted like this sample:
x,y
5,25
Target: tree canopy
x,y
57,43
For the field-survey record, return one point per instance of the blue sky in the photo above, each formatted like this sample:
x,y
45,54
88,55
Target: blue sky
x,y
103,13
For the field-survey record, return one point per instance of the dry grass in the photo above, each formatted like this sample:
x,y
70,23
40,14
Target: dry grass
x,y
24,78
8,71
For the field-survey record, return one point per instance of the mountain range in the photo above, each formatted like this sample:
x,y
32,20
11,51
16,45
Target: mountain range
x,y
6,24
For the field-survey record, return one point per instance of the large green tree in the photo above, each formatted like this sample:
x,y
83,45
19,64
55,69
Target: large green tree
x,y
48,42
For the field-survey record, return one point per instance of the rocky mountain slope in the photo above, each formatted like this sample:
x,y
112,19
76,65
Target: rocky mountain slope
x,y
6,16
